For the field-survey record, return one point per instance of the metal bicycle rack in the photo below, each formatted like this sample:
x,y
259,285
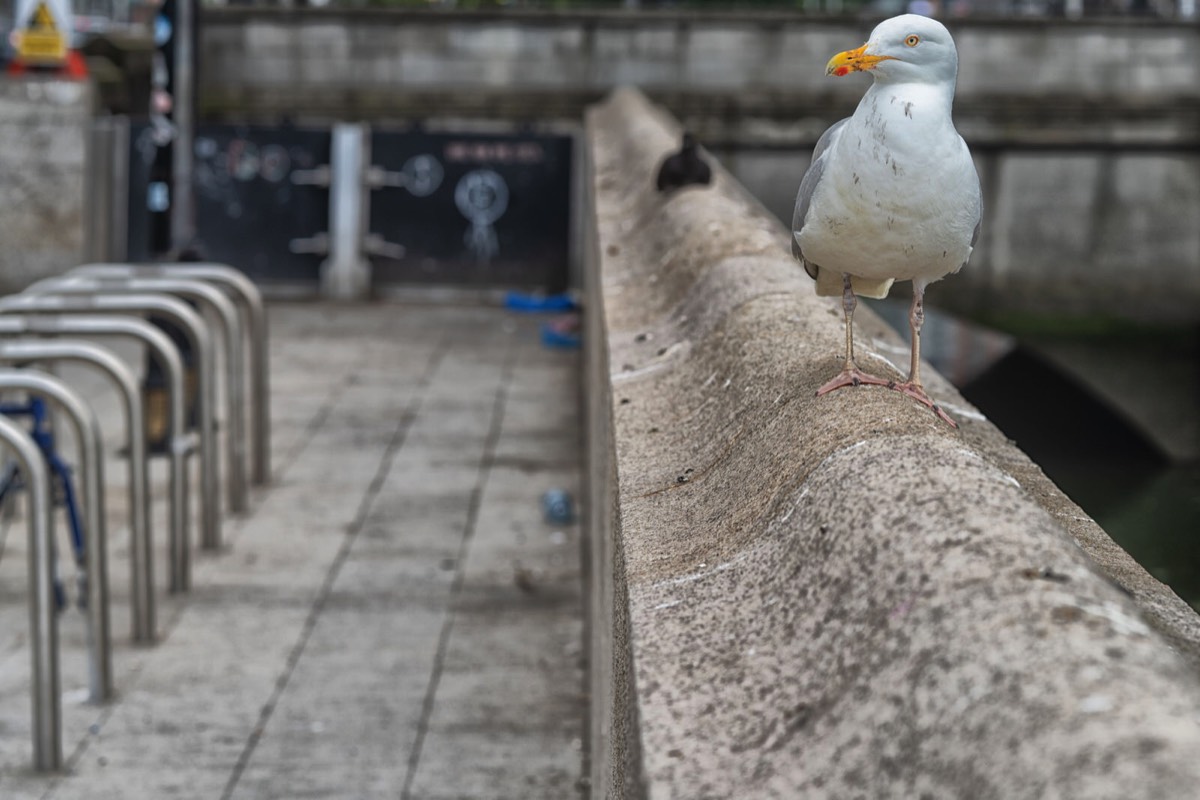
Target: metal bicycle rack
x,y
91,451
24,351
230,325
43,634
48,323
196,331
245,294
181,444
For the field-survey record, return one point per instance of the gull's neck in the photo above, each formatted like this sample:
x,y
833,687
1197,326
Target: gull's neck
x,y
923,96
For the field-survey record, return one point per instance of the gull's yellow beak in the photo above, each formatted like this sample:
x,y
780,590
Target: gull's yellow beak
x,y
853,61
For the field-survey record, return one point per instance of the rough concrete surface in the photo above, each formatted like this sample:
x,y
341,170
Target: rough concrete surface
x,y
393,617
842,596
44,125
756,61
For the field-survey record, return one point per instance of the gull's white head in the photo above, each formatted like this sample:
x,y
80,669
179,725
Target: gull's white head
x,y
904,49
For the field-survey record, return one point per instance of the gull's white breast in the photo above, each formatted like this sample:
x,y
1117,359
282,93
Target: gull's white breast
x,y
899,197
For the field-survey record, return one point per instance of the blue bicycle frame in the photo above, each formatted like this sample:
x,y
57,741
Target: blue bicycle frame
x,y
43,435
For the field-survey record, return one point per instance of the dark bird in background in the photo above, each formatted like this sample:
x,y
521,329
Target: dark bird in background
x,y
685,168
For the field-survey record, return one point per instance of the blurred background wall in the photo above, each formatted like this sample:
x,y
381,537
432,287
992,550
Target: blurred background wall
x,y
1087,132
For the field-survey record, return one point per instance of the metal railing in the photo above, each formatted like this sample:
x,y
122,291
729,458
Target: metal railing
x,y
224,311
195,330
48,323
43,621
180,443
246,295
91,450
24,351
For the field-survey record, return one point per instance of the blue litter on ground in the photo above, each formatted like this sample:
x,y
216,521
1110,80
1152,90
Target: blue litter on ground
x,y
536,303
557,507
561,334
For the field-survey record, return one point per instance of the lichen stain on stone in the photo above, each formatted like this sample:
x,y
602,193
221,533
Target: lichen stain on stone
x,y
1066,614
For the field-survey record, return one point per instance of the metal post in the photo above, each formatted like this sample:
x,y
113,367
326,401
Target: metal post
x,y
181,444
22,351
183,204
246,294
43,620
226,315
181,314
91,452
260,366
97,190
346,274
119,219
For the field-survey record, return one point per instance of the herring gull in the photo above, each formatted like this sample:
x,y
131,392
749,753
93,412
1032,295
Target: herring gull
x,y
892,193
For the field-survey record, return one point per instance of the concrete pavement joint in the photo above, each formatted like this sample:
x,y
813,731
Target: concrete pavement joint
x,y
315,424
385,463
486,460
310,430
169,624
288,459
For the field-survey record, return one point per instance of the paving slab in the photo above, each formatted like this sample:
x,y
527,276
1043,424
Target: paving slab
x,y
392,618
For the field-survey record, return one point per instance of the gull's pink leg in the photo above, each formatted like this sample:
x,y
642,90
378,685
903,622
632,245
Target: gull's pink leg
x,y
912,387
850,375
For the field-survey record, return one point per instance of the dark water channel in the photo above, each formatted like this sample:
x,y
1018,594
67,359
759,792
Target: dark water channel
x,y
1149,504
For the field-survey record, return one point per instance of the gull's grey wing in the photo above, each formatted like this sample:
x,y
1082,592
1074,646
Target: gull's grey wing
x,y
974,236
808,185
978,222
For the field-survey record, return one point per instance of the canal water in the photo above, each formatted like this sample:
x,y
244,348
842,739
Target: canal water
x,y
1147,503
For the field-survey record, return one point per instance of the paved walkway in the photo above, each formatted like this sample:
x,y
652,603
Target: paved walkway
x,y
392,619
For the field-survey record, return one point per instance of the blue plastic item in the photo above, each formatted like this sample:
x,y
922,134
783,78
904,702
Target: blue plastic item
x,y
556,507
552,336
538,303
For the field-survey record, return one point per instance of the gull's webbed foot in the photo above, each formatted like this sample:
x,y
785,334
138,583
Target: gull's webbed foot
x,y
917,392
851,376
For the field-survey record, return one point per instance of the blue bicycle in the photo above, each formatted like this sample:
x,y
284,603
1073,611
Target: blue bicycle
x,y
64,490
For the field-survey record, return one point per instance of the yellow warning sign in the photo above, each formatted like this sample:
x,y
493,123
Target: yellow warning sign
x,y
41,42
42,18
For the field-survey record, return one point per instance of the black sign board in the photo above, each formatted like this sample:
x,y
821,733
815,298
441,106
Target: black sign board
x,y
477,209
251,206
480,209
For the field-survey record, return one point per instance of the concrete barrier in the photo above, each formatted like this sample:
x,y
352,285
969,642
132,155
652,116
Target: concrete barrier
x,y
840,596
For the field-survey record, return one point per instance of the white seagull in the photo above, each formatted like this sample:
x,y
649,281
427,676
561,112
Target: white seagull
x,y
892,193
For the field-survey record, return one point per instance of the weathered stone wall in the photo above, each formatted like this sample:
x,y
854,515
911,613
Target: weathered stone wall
x,y
742,76
44,126
836,596
1087,133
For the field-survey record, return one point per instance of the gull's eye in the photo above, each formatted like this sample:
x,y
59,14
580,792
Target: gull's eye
x,y
913,40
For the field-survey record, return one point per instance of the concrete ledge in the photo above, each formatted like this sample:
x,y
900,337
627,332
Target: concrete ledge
x,y
839,596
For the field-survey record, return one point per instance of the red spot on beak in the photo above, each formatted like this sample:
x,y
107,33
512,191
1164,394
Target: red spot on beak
x,y
841,71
